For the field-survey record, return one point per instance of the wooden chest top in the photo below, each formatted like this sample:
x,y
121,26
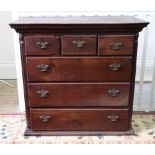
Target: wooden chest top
x,y
83,23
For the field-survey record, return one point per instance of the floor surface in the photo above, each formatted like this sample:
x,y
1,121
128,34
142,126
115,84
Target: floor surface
x,y
8,97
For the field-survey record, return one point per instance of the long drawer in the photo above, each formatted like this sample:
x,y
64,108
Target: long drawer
x,y
77,69
78,94
79,119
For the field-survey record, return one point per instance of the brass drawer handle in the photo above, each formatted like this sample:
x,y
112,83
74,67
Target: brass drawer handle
x,y
113,92
42,44
43,67
113,118
42,93
44,118
78,43
115,66
116,45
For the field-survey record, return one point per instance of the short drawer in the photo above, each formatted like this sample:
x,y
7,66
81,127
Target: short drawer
x,y
79,45
42,45
116,44
78,94
79,119
76,69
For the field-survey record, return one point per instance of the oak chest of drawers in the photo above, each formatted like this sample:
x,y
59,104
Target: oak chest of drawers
x,y
78,73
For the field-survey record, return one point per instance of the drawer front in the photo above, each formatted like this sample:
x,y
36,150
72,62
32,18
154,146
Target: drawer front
x,y
116,44
42,45
79,69
79,119
76,94
79,45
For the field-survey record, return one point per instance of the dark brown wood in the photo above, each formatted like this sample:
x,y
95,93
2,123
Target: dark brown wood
x,y
29,132
76,69
32,45
27,110
79,119
84,83
132,86
79,45
79,25
125,20
78,94
116,44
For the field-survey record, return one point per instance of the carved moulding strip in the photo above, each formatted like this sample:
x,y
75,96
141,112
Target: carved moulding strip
x,y
72,28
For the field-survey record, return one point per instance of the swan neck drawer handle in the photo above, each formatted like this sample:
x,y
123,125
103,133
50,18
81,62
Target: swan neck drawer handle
x,y
43,93
116,45
113,118
42,44
43,67
44,118
113,92
78,43
114,66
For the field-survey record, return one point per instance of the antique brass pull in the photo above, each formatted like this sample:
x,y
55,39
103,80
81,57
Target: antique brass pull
x,y
113,118
44,118
116,45
43,67
113,92
78,43
42,44
114,66
43,93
